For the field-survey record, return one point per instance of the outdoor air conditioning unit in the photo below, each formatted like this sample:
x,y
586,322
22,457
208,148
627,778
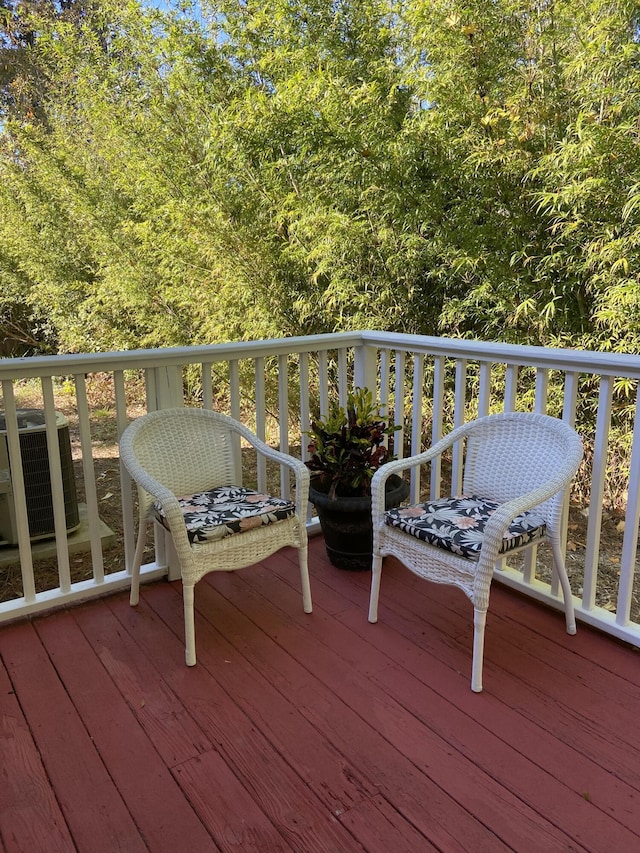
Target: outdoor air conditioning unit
x,y
37,478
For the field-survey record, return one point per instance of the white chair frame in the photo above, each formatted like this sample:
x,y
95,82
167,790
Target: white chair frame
x,y
522,461
182,451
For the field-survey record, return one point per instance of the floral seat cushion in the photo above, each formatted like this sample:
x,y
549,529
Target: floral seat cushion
x,y
457,524
220,512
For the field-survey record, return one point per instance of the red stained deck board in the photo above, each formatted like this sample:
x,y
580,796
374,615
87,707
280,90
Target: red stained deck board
x,y
594,783
375,823
93,808
338,786
160,810
308,755
436,814
236,823
522,667
322,732
437,607
498,759
292,803
576,770
575,709
157,708
541,703
591,815
571,656
30,817
532,624
422,614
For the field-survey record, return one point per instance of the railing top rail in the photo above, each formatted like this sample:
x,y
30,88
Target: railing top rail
x,y
569,360
63,365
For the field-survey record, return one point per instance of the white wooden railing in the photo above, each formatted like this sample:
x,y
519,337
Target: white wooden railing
x,y
429,384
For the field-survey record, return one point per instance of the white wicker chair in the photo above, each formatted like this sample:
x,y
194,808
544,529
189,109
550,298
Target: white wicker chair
x,y
522,462
179,452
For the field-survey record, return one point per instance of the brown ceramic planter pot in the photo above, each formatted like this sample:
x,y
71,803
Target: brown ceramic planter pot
x,y
347,527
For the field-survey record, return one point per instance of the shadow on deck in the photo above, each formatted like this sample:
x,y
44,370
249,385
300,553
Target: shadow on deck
x,y
315,732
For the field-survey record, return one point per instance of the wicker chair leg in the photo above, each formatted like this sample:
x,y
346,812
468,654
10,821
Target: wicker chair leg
x,y
188,595
376,574
479,622
561,571
134,596
303,558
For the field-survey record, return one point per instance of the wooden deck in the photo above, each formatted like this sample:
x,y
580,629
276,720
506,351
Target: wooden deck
x,y
315,732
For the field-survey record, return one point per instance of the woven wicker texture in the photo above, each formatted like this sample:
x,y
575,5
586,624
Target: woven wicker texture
x,y
182,451
520,460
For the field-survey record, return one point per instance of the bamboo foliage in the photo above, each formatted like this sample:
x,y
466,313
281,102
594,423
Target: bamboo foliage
x,y
294,166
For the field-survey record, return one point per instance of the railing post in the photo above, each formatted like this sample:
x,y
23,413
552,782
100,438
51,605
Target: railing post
x,y
165,392
365,368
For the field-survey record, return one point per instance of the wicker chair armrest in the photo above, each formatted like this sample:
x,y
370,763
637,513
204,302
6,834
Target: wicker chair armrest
x,y
299,469
383,473
501,519
170,506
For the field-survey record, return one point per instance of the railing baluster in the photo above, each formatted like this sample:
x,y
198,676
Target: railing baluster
x,y
569,415
305,415
459,417
260,406
323,382
151,392
439,368
384,391
19,496
570,399
305,412
484,392
154,397
89,478
416,421
343,377
631,522
283,419
55,482
235,407
542,391
540,406
234,389
398,417
510,387
126,496
207,385
603,421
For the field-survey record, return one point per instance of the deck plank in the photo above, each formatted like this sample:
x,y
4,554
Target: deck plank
x,y
524,718
315,733
227,809
375,823
30,815
160,712
571,701
430,751
342,713
156,803
90,801
252,730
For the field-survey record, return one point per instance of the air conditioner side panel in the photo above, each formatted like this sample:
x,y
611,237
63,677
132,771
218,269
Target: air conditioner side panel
x,y
8,530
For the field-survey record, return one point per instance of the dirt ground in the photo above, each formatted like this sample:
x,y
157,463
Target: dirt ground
x,y
107,473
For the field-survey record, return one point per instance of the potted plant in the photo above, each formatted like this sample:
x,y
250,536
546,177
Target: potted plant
x,y
347,448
